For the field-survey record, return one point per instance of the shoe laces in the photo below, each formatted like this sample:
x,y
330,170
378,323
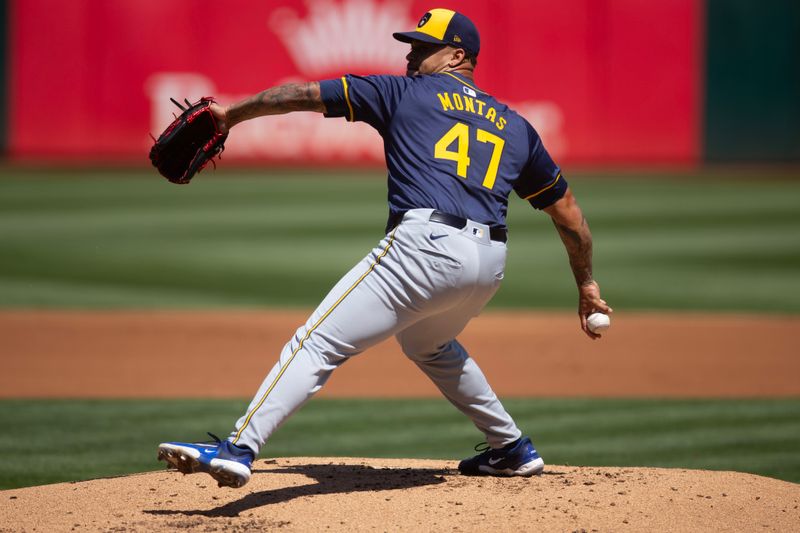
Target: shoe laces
x,y
232,448
482,447
216,440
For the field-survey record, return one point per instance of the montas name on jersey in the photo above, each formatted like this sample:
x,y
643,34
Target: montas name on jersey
x,y
454,101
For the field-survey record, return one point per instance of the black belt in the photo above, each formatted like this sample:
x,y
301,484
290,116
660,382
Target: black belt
x,y
496,234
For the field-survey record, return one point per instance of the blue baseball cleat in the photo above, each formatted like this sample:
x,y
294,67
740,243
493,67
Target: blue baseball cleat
x,y
516,459
228,464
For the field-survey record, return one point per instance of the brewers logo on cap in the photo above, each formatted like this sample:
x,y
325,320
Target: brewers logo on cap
x,y
444,26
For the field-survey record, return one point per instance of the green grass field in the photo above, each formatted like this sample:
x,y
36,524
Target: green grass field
x,y
128,239
49,440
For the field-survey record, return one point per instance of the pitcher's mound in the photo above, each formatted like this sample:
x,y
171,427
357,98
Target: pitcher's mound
x,y
346,494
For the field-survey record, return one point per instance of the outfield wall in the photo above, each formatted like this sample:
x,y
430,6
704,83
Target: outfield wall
x,y
606,82
753,81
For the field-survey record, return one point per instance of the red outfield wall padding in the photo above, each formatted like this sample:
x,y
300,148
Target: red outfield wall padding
x,y
603,81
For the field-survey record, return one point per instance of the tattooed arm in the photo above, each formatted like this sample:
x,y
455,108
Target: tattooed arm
x,y
574,232
273,101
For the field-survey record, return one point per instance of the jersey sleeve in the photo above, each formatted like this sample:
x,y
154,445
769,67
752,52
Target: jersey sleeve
x,y
370,99
540,182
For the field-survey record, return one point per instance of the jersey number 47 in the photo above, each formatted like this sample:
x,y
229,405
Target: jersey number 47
x,y
460,135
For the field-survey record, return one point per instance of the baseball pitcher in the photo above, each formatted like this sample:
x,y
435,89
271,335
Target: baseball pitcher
x,y
454,155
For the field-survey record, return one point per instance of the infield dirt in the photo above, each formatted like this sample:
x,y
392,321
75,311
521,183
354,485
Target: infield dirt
x,y
111,354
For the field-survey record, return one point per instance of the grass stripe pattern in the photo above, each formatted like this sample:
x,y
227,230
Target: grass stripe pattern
x,y
64,440
130,239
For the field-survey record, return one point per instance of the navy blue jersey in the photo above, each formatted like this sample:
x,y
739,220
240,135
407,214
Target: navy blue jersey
x,y
448,145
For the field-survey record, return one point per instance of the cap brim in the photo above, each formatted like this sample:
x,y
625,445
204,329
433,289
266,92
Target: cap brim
x,y
410,36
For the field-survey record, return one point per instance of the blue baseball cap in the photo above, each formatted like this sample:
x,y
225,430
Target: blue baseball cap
x,y
444,26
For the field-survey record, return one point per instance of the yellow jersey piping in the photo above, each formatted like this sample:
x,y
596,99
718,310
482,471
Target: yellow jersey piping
x,y
308,334
347,99
465,83
534,195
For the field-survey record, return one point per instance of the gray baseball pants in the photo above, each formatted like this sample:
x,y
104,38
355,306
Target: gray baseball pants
x,y
422,283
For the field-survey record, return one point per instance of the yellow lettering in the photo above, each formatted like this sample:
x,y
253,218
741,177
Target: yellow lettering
x,y
480,107
445,100
494,163
458,102
501,123
491,114
460,135
469,104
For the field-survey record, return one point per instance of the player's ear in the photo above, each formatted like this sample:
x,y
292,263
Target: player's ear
x,y
456,57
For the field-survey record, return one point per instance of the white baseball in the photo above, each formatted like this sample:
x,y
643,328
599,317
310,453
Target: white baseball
x,y
598,322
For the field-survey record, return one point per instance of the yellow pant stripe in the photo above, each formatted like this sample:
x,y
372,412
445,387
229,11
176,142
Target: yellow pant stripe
x,y
308,334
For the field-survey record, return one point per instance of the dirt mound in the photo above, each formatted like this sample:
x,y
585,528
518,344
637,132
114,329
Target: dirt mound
x,y
345,494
